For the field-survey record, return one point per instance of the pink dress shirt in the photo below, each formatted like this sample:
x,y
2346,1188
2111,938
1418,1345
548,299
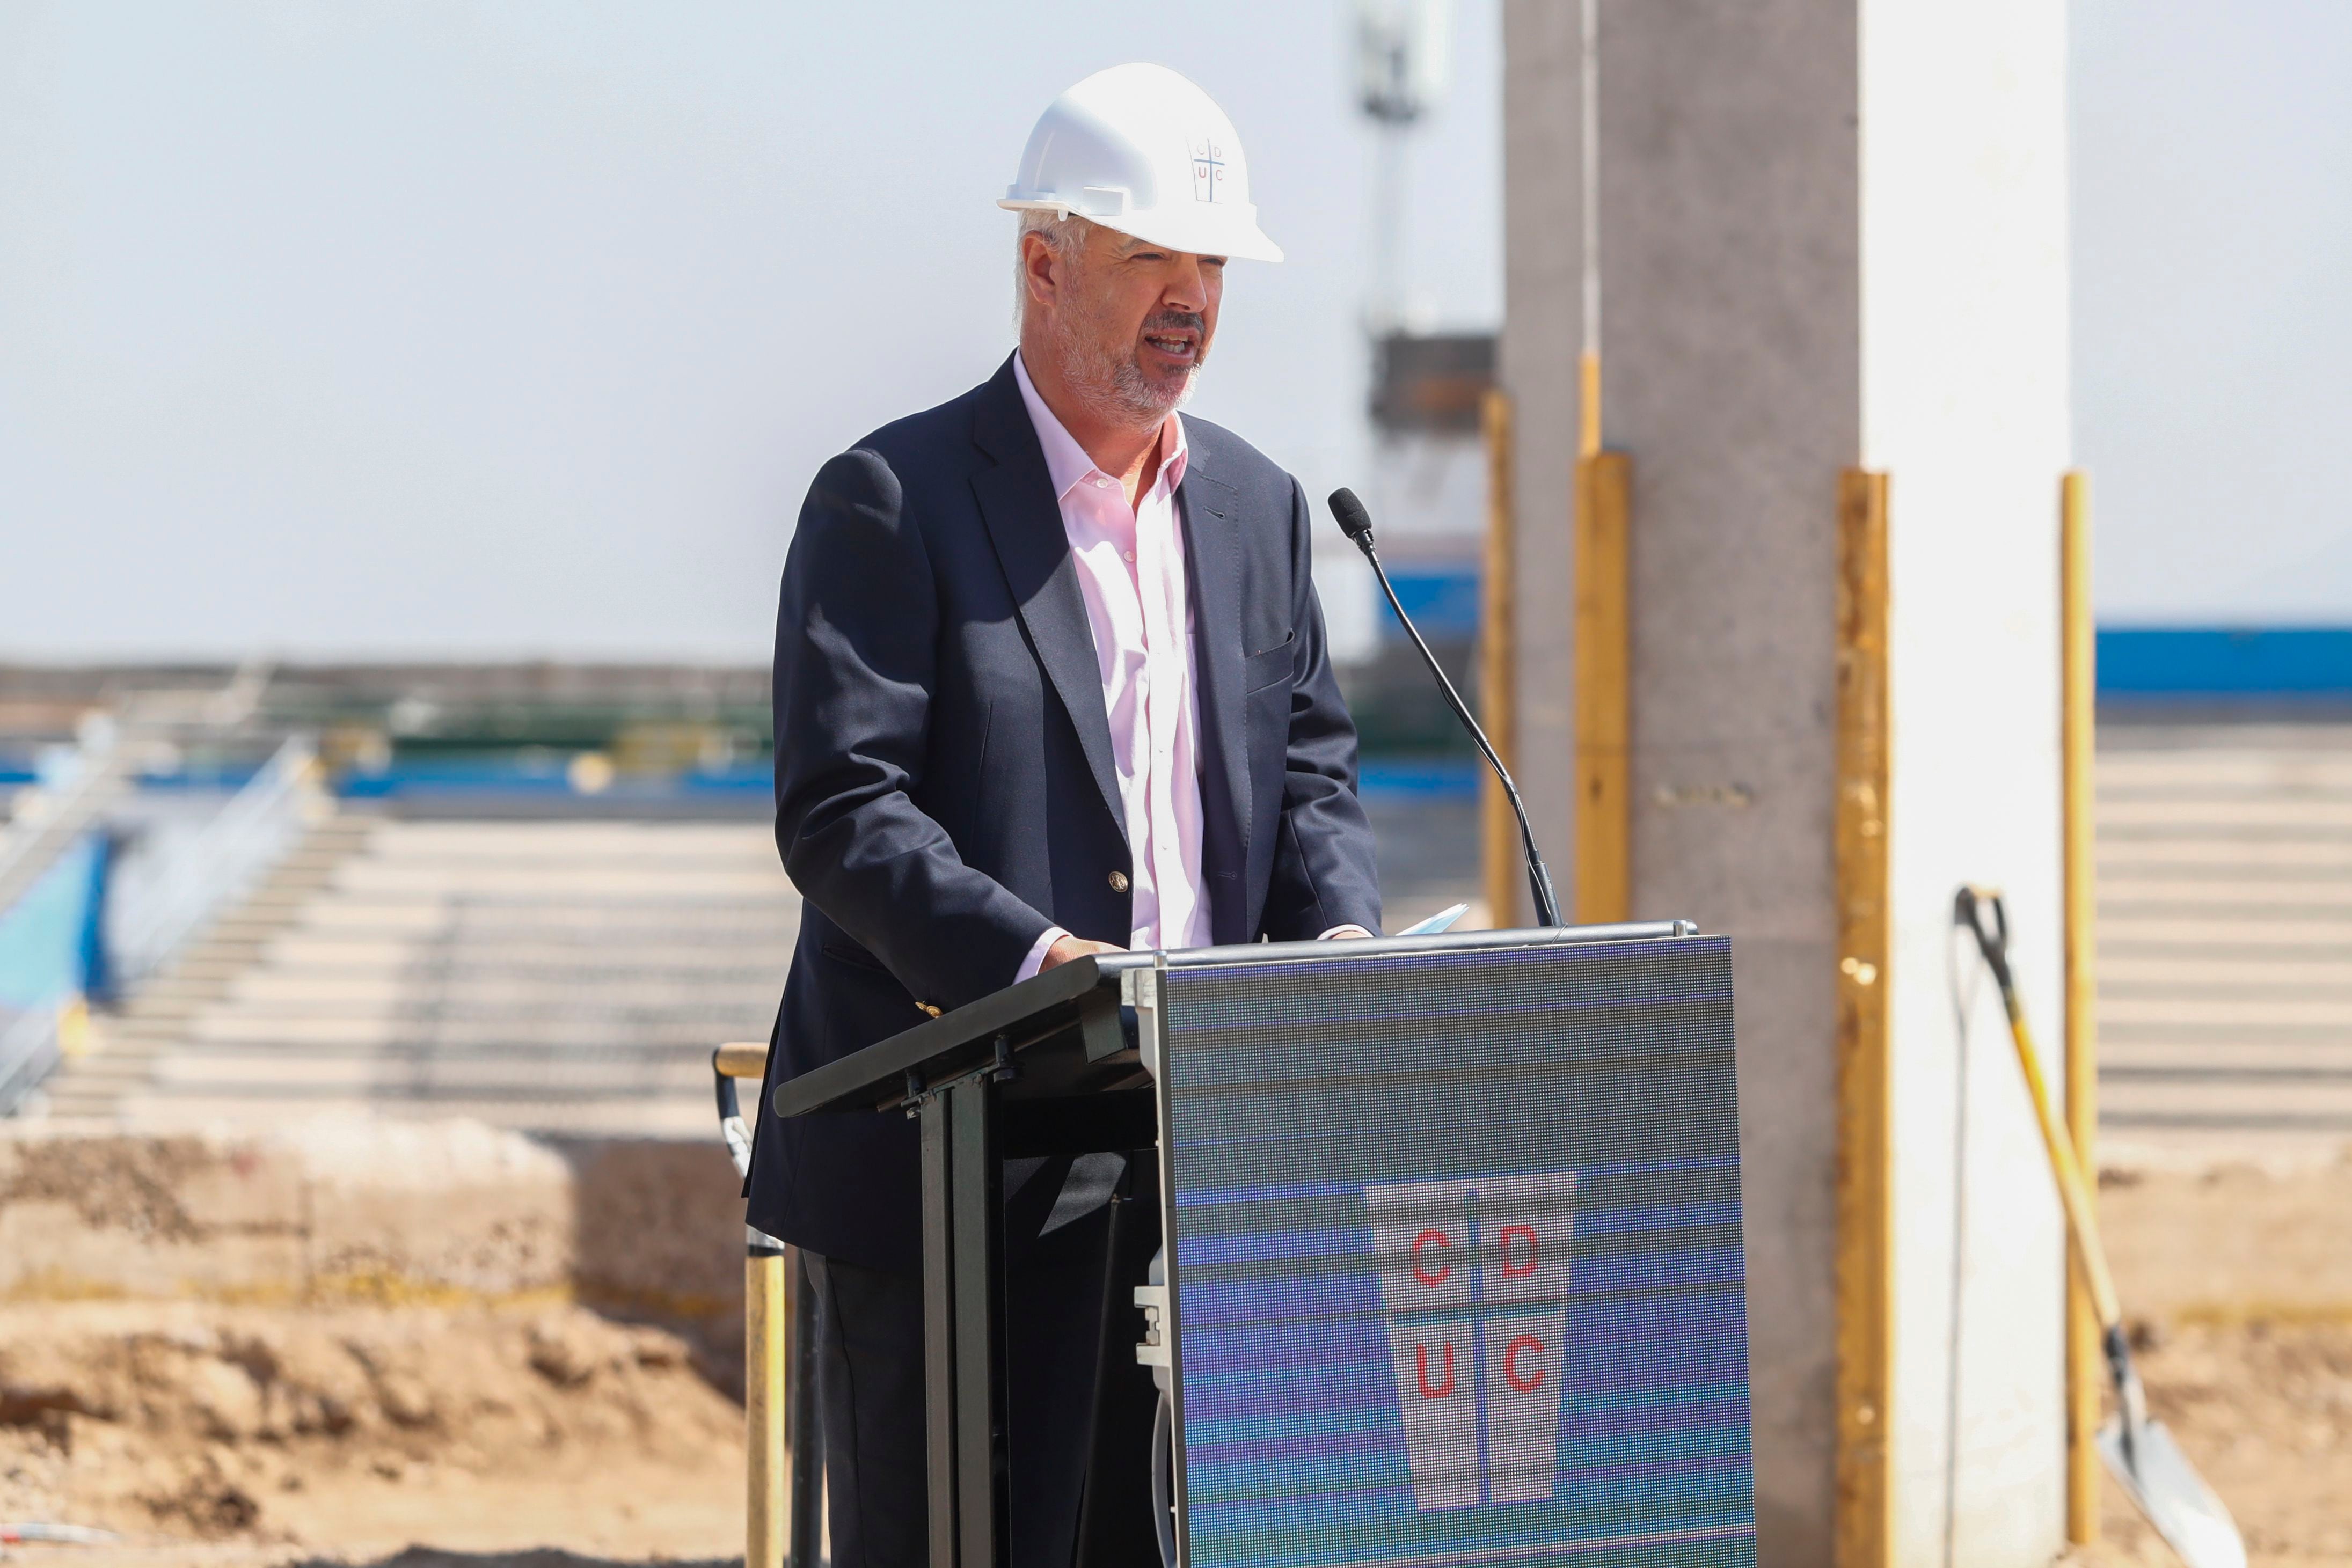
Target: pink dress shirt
x,y
1131,576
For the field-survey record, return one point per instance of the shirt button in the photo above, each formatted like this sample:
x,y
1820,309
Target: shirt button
x,y
1119,882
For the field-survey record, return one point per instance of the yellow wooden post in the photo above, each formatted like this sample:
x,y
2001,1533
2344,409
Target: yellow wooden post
x,y
1504,865
1588,403
1605,871
1865,1513
766,1311
2077,662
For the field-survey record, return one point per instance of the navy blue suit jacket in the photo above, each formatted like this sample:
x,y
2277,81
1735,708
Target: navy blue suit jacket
x,y
944,786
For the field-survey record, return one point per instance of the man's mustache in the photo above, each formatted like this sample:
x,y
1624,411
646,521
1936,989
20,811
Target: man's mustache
x,y
1178,321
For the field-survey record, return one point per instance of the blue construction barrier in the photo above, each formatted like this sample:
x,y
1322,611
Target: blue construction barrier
x,y
2295,662
1443,602
526,774
52,955
49,950
1431,779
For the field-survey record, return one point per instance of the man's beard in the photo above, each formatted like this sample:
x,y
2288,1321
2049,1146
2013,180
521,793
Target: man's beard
x,y
1108,379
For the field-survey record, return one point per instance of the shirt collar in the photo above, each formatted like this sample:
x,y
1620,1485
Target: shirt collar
x,y
1067,463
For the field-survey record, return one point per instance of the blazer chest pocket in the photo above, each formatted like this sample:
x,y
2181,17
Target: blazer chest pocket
x,y
1269,668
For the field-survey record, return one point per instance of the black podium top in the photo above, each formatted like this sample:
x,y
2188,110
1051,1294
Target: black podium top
x,y
1060,1035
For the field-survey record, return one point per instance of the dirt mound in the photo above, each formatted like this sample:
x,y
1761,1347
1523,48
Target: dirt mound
x,y
360,1427
2264,1408
244,1437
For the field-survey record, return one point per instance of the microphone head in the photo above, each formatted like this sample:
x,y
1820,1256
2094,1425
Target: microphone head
x,y
1349,514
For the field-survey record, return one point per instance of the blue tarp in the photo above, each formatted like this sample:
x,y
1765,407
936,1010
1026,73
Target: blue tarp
x,y
47,952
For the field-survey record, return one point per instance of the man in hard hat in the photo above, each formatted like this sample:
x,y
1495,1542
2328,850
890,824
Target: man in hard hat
x,y
1050,680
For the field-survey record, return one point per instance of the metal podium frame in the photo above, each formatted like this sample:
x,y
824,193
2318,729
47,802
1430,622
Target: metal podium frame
x,y
1053,1065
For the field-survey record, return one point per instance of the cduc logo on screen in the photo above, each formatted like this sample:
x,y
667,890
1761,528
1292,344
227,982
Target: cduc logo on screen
x,y
1475,1277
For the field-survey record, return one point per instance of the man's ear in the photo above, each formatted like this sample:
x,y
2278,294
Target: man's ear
x,y
1040,268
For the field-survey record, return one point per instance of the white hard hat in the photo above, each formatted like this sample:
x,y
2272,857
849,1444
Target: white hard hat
x,y
1139,149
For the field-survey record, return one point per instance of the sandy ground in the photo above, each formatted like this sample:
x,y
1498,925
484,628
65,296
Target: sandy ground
x,y
215,1437
205,1435
2263,1409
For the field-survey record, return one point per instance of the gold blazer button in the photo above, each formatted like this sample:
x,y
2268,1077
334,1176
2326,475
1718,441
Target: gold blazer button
x,y
1119,882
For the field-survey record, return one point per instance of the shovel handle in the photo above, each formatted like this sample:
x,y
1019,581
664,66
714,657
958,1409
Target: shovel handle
x,y
1971,909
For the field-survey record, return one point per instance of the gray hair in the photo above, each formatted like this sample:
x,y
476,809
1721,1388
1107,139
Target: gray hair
x,y
1065,236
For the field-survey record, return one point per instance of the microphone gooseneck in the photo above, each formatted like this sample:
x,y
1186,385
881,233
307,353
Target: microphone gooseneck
x,y
1357,524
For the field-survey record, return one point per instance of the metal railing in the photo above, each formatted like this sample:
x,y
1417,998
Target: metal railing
x,y
51,818
29,1050
162,910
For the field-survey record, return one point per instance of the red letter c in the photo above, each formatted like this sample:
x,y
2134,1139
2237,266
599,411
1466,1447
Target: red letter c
x,y
1511,1363
1422,1240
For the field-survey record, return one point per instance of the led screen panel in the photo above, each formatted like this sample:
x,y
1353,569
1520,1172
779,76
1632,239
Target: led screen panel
x,y
1457,1252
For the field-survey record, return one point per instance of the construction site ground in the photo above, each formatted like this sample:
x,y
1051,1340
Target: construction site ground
x,y
384,975
502,1438
247,1434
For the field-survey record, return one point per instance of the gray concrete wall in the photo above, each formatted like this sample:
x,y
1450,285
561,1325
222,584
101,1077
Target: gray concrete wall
x,y
1826,239
1542,264
1731,372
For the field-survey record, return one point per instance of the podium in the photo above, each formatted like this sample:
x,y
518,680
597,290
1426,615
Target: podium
x,y
1452,1228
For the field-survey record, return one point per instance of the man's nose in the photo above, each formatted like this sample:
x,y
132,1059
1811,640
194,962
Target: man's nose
x,y
1188,290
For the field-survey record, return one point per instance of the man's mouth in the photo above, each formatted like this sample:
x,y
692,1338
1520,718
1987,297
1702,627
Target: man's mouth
x,y
1175,345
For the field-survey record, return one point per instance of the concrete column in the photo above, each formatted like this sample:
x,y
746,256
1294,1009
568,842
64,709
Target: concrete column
x,y
1542,265
1831,233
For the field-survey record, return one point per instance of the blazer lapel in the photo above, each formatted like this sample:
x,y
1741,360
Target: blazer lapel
x,y
1212,559
1024,524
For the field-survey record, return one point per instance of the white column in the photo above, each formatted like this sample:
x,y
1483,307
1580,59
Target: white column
x,y
1964,374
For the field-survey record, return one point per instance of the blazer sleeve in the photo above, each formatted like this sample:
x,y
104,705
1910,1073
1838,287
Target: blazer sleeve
x,y
1326,871
857,637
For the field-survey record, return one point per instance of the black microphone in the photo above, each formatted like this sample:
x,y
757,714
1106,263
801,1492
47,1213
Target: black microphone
x,y
1357,524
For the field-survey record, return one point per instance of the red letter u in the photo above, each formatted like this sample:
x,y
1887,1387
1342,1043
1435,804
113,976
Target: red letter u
x,y
1421,1370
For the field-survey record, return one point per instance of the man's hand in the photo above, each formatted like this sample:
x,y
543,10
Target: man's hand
x,y
1070,947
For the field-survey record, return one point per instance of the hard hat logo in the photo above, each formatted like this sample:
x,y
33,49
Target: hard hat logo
x,y
1118,150
1208,169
